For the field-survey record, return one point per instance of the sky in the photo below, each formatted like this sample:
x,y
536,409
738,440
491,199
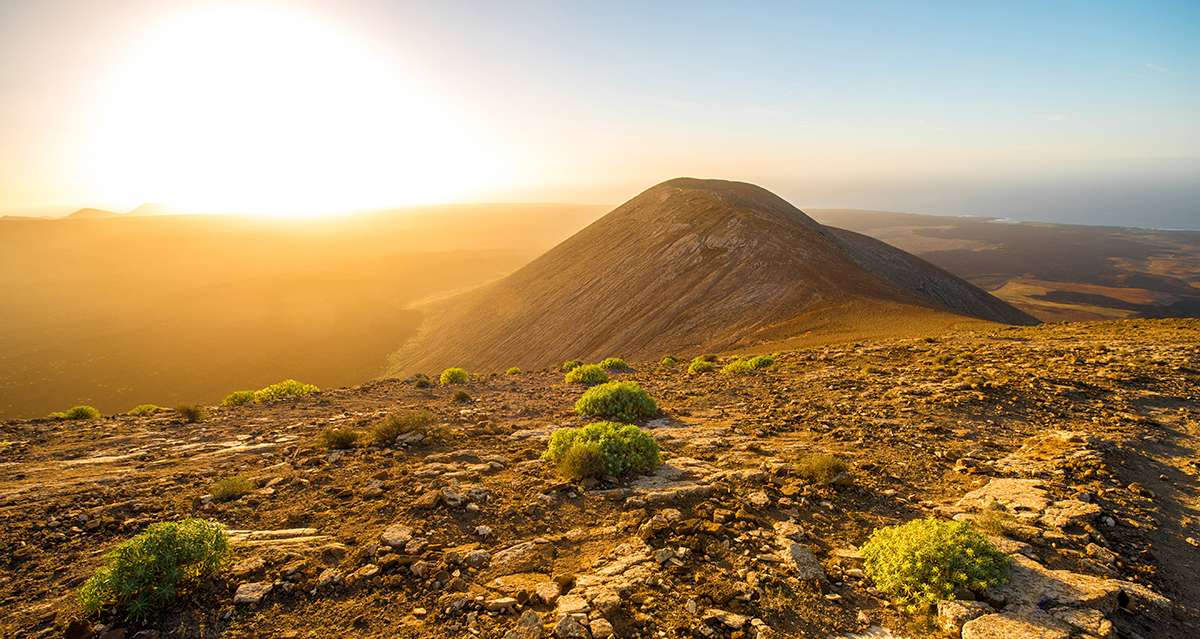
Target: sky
x,y
1085,112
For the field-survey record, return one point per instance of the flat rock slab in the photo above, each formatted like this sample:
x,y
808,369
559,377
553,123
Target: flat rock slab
x,y
1016,495
1032,585
1025,624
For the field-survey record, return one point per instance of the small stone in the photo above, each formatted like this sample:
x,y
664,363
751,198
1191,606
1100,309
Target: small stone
x,y
547,592
601,628
251,593
529,626
503,604
759,499
396,536
951,615
799,558
569,628
730,620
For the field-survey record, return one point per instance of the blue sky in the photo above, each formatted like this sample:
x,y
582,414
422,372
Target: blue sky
x,y
1006,108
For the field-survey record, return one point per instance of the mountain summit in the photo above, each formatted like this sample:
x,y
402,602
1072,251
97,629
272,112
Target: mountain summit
x,y
688,265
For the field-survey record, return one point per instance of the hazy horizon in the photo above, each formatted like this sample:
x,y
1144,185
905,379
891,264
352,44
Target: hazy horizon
x,y
1079,113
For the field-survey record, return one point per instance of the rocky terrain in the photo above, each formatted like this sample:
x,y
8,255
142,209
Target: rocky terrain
x,y
688,265
1087,434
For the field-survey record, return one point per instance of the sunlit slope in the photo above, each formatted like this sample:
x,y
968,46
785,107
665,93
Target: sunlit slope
x,y
169,309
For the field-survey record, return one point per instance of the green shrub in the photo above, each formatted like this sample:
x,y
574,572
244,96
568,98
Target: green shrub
x,y
738,367
237,398
622,401
927,560
748,365
586,374
707,357
339,438
821,468
146,573
191,413
570,365
421,380
513,371
145,409
614,364
759,362
454,376
700,366
581,461
608,448
231,488
385,430
668,361
286,389
77,412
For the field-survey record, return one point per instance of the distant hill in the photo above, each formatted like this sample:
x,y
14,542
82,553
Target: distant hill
x,y
1056,272
688,265
89,213
153,208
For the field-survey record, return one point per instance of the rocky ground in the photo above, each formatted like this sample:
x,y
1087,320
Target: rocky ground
x,y
1086,433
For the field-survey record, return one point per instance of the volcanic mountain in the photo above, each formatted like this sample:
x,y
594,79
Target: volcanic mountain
x,y
687,266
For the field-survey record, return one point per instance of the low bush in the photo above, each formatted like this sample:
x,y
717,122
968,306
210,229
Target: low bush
x,y
191,413
622,401
145,409
237,398
513,371
614,364
748,365
462,397
927,560
602,448
421,380
287,389
231,488
570,365
759,362
707,357
145,574
339,438
700,366
821,468
587,374
668,361
738,367
454,376
419,424
77,412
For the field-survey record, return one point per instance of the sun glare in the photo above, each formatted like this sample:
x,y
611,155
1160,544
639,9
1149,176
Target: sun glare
x,y
273,112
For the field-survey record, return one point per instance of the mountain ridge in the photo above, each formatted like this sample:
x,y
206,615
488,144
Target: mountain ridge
x,y
687,265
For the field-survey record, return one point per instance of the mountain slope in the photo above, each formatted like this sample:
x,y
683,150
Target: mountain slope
x,y
687,265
